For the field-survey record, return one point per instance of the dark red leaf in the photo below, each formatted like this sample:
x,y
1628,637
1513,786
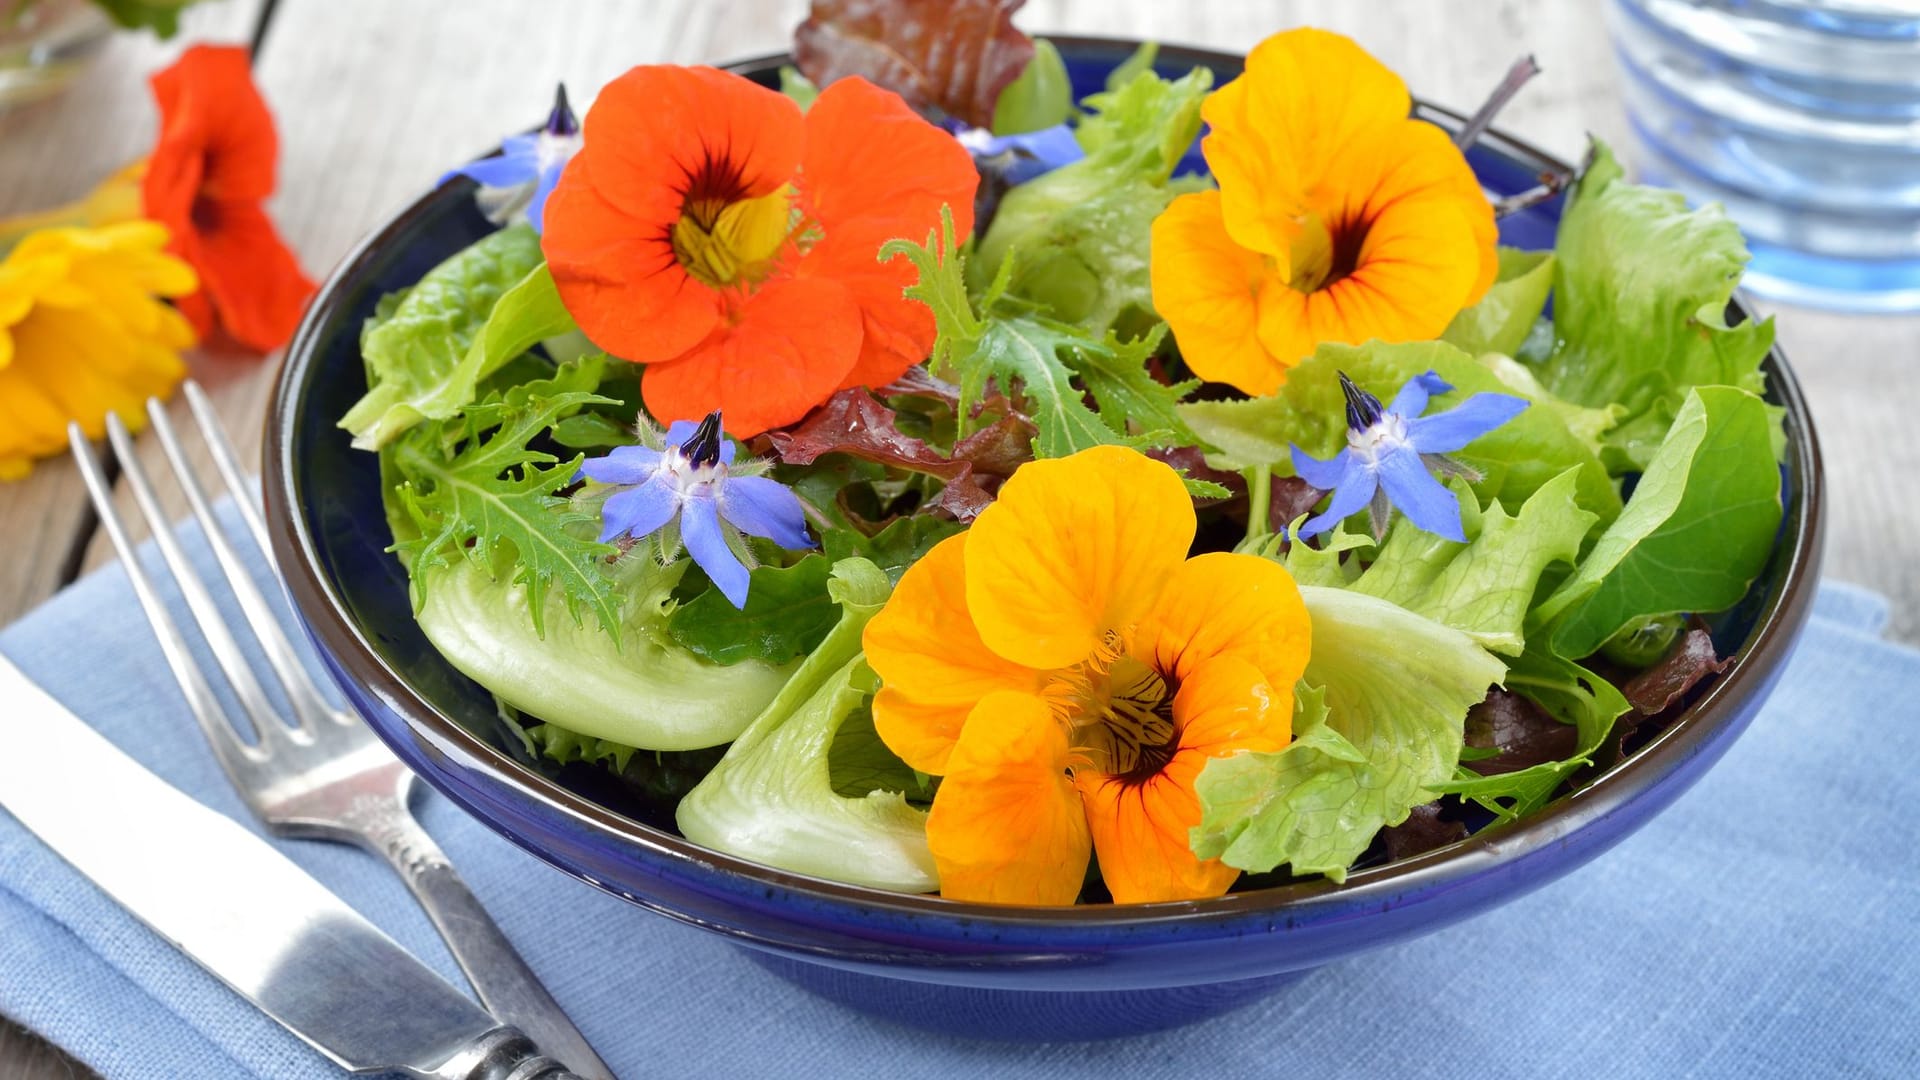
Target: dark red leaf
x,y
999,448
1423,831
951,55
1524,734
1691,659
855,423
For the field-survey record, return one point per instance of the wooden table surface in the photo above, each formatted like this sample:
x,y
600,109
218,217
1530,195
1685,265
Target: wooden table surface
x,y
375,99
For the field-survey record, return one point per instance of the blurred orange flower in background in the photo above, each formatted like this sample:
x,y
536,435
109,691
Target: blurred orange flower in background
x,y
1338,218
712,231
210,171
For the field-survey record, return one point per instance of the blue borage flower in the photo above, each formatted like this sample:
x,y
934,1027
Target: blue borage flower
x,y
523,174
1019,158
689,491
1392,453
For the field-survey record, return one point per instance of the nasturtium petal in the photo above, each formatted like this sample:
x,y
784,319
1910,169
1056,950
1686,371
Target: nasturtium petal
x,y
1073,548
1208,289
1008,826
932,663
1226,605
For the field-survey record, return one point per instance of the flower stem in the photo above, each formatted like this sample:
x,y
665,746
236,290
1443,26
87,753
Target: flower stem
x,y
1259,500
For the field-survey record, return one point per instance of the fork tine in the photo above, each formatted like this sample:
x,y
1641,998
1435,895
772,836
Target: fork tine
x,y
233,753
245,495
308,706
213,625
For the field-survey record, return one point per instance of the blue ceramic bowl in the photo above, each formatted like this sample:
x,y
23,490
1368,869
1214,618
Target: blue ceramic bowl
x,y
1009,972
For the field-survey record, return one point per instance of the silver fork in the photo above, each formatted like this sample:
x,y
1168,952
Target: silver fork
x,y
325,775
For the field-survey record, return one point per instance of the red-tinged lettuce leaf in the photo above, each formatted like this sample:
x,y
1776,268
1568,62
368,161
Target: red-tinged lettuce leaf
x,y
855,423
951,55
1423,831
1519,732
1691,659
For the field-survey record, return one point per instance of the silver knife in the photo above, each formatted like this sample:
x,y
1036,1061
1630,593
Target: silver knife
x,y
242,910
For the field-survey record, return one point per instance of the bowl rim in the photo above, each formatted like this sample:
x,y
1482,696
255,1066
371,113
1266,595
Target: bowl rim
x,y
1784,610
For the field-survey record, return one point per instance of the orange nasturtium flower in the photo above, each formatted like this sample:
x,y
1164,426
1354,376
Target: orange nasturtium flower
x,y
711,231
211,169
1069,671
1338,218
85,329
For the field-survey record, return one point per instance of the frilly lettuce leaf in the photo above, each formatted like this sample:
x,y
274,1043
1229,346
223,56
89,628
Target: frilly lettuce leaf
x,y
772,798
1698,529
640,691
1081,230
1504,317
1590,425
426,356
1397,689
1641,285
1485,586
1515,460
1040,98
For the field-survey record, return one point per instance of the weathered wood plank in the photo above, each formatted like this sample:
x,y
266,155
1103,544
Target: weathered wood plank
x,y
50,153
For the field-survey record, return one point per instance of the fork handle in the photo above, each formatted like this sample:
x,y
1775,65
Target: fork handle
x,y
504,983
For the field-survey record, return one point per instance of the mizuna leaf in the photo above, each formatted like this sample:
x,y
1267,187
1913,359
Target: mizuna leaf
x,y
478,492
955,56
1001,343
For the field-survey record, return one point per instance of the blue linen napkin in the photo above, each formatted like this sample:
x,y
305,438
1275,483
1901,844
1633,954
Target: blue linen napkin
x,y
1766,925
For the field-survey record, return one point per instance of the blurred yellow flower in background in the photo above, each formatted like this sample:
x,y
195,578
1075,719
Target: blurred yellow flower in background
x,y
85,330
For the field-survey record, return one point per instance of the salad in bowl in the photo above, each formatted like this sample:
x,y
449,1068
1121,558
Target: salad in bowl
x,y
1031,540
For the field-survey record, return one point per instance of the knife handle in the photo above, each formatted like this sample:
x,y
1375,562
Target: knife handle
x,y
501,1054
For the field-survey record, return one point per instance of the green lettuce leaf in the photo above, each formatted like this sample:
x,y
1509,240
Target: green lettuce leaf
x,y
788,612
1573,695
1081,230
467,316
893,548
1515,460
475,491
1485,586
1590,425
772,797
1641,285
999,342
1397,689
1504,317
639,690
1041,97
160,16
1697,531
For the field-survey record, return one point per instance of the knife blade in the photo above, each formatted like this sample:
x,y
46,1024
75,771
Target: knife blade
x,y
242,910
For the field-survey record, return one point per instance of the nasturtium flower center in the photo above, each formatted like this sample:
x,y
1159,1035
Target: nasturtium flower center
x,y
726,243
1119,711
1321,254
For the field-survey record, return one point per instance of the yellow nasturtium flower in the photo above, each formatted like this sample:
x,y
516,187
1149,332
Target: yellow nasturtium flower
x,y
1338,218
1069,671
84,331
